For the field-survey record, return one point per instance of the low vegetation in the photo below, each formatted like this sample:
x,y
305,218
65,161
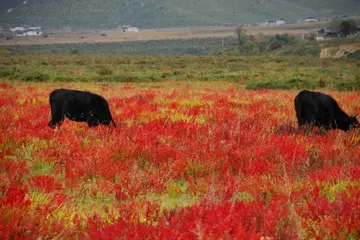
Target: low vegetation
x,y
201,46
253,72
187,161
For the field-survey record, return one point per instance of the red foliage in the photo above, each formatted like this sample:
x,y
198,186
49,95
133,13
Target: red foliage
x,y
232,155
45,183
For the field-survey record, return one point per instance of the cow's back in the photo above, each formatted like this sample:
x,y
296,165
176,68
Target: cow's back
x,y
309,99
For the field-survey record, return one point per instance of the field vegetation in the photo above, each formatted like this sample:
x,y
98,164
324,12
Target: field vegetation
x,y
253,72
188,160
206,147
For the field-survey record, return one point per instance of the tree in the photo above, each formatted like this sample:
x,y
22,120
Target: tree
x,y
344,27
241,34
348,27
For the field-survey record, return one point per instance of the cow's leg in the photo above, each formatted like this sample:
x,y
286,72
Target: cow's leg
x,y
92,123
57,115
309,120
92,120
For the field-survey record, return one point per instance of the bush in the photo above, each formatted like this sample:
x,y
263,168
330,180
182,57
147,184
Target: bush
x,y
36,77
5,73
105,71
75,51
284,85
112,78
278,41
348,85
355,55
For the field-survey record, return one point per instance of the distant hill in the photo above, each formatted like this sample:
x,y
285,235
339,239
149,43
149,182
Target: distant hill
x,y
165,13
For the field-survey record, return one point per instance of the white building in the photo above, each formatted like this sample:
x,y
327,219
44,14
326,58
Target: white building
x,y
276,22
33,33
280,21
129,28
16,29
30,31
310,19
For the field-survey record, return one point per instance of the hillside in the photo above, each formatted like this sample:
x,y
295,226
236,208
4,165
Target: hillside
x,y
161,13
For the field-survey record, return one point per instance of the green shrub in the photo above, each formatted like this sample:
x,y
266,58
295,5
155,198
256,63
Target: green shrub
x,y
5,73
355,55
278,84
348,85
64,79
105,71
112,78
36,77
75,51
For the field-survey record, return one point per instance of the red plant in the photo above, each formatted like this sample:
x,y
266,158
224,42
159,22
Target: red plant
x,y
183,164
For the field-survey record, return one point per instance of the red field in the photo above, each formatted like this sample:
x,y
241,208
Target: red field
x,y
184,162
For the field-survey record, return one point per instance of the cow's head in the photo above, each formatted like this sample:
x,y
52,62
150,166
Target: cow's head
x,y
348,123
352,122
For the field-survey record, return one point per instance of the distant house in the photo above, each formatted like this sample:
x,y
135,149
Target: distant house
x,y
34,31
29,31
280,21
16,29
275,22
326,34
129,28
340,17
310,19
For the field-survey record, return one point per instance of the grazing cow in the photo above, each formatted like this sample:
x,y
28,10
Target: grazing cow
x,y
79,106
321,110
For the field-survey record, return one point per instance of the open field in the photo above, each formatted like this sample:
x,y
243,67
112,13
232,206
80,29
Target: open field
x,y
162,34
252,72
188,160
200,47
204,148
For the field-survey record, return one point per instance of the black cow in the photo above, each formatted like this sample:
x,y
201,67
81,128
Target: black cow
x,y
79,106
321,110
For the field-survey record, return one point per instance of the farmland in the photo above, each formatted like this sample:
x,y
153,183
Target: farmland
x,y
116,35
205,149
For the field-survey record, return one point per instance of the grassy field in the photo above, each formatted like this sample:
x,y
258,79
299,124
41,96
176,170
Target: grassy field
x,y
206,147
200,46
188,160
271,72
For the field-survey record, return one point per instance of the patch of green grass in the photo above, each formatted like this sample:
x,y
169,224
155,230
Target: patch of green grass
x,y
256,72
242,196
42,168
281,84
105,71
38,198
330,191
175,197
36,76
347,85
355,55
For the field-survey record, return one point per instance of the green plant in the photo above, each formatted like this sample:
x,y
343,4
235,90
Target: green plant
x,y
281,84
105,70
36,77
